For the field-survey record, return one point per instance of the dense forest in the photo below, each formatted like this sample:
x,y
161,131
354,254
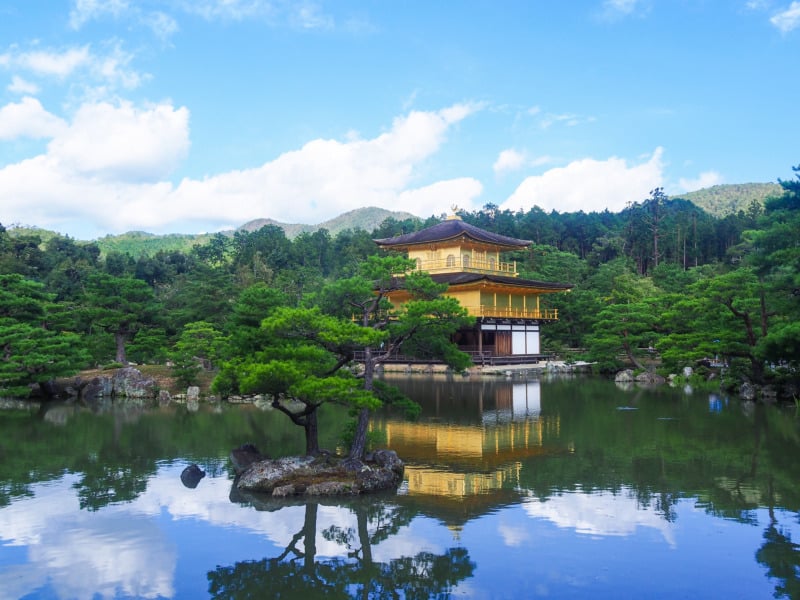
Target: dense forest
x,y
662,278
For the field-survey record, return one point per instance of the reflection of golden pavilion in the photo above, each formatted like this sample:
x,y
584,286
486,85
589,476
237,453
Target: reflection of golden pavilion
x,y
469,459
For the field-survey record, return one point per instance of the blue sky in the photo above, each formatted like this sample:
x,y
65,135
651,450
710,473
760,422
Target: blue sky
x,y
184,116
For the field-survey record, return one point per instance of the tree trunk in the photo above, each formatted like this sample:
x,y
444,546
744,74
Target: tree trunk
x,y
312,434
359,445
119,339
629,351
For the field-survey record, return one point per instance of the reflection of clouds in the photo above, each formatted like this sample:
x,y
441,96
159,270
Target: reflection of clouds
x,y
600,513
209,502
122,550
513,536
83,554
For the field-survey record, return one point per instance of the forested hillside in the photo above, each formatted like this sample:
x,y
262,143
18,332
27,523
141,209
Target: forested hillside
x,y
138,243
726,199
660,278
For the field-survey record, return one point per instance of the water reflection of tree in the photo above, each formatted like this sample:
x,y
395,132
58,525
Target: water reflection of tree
x,y
780,555
297,573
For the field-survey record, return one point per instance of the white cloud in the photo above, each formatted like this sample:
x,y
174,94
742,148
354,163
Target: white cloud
x,y
235,10
87,10
621,6
568,119
508,160
514,160
438,198
108,168
705,180
788,19
19,85
111,69
613,10
57,64
28,118
310,16
161,24
122,143
589,185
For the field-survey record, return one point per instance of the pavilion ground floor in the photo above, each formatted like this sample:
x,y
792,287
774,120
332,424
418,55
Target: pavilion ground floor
x,y
495,341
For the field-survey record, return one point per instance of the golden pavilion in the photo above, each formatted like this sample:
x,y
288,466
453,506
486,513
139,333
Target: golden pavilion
x,y
506,307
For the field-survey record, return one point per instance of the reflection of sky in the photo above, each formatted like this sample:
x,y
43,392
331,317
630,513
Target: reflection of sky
x,y
575,544
600,513
84,554
123,549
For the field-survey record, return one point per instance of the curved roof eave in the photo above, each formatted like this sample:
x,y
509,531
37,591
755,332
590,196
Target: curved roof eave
x,y
450,229
469,278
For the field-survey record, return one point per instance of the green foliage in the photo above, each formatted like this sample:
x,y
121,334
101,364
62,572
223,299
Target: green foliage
x,y
131,296
197,348
120,306
31,353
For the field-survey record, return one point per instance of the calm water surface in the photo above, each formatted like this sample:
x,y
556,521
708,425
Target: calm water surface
x,y
514,489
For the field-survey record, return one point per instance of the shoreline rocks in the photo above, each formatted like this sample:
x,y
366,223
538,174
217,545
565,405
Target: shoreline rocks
x,y
323,475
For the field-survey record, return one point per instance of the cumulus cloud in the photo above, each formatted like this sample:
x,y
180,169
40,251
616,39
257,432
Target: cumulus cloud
x,y
705,180
514,160
508,160
589,185
122,143
109,167
789,19
28,118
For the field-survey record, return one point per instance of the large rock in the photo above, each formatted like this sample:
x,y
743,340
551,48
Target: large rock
x,y
322,476
650,378
624,376
747,391
96,389
130,383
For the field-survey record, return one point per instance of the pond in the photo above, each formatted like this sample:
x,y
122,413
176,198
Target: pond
x,y
514,488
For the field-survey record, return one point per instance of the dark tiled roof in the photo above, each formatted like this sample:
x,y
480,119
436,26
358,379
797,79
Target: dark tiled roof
x,y
463,278
449,229
466,278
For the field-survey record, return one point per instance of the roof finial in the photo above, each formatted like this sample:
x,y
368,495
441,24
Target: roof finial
x,y
454,216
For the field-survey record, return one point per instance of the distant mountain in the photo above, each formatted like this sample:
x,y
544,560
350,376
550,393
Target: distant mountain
x,y
368,219
721,200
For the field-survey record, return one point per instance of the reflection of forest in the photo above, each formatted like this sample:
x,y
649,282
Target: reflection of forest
x,y
480,444
298,572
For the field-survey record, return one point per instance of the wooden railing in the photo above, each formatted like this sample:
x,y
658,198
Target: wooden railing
x,y
544,314
471,266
